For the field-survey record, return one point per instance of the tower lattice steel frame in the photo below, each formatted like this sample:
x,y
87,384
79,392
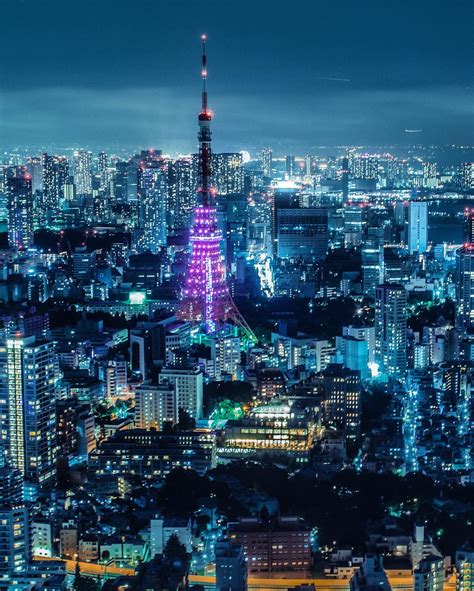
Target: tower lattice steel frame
x,y
206,298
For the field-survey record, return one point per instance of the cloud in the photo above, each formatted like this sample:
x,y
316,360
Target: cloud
x,y
166,118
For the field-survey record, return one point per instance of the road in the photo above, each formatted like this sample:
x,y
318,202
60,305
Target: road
x,y
399,582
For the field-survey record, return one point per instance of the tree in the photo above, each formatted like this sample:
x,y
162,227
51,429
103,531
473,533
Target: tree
x,y
185,420
174,550
82,583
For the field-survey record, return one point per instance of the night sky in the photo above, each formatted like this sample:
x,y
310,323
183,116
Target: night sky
x,y
292,75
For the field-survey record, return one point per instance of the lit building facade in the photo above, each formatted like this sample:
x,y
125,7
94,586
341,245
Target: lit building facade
x,y
390,330
31,419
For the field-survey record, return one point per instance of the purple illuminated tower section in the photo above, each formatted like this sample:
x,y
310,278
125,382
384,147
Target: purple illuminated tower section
x,y
206,298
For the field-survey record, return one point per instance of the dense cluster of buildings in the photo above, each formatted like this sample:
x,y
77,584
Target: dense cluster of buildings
x,y
118,317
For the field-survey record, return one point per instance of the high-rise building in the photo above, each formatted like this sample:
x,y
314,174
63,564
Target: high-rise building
x,y
465,568
290,166
372,267
345,179
34,168
182,199
365,167
390,330
417,226
467,176
155,405
83,172
188,386
226,355
429,574
465,287
302,232
152,194
104,172
20,209
267,155
228,173
231,567
341,389
14,531
55,177
278,545
31,415
469,225
370,575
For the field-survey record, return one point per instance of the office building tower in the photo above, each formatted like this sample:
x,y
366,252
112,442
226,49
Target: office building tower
x,y
55,177
345,179
147,347
182,196
465,287
226,356
267,155
430,175
259,224
429,574
152,194
370,575
20,209
468,234
155,405
228,173
290,166
83,263
465,568
467,176
34,168
14,530
390,330
355,221
302,233
31,415
341,390
104,172
365,167
231,567
417,227
83,172
188,386
372,267
276,545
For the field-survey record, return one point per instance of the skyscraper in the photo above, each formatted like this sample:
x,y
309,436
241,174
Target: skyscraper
x,y
372,267
182,196
417,226
188,386
341,391
20,209
390,330
267,162
465,287
152,201
83,172
31,414
14,534
231,567
228,173
290,166
55,177
429,574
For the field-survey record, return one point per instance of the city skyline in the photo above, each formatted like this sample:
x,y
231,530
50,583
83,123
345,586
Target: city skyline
x,y
307,77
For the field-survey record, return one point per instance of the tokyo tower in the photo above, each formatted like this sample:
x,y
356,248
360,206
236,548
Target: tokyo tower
x,y
205,297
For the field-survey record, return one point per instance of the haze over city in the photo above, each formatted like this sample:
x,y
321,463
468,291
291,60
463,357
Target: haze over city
x,y
106,73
